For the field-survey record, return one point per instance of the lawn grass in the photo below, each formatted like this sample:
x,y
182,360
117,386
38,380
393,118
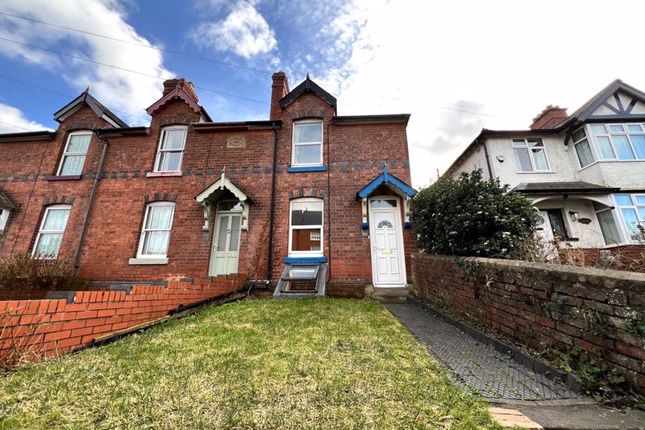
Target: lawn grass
x,y
273,364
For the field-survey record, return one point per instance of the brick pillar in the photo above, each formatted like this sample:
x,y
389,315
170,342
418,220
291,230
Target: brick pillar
x,y
279,89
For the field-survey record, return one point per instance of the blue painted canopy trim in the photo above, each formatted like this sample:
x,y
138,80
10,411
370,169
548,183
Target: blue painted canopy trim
x,y
386,178
305,260
306,169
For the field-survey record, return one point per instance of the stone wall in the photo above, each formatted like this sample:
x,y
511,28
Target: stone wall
x,y
543,306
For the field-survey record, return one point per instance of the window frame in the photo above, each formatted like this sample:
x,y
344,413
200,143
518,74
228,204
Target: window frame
x,y
320,253
160,149
607,209
66,153
635,206
41,231
591,147
143,231
523,143
294,144
608,134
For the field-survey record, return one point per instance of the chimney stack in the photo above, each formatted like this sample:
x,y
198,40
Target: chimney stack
x,y
186,85
549,117
279,89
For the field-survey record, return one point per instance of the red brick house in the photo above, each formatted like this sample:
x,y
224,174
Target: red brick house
x,y
322,194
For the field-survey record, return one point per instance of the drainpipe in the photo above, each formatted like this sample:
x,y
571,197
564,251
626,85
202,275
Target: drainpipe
x,y
272,203
90,204
328,202
490,169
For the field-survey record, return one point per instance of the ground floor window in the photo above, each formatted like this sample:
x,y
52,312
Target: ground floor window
x,y
155,233
306,227
632,212
50,234
608,225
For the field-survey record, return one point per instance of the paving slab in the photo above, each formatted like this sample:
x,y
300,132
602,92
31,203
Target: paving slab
x,y
584,417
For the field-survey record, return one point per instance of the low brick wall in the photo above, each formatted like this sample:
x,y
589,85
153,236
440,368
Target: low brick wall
x,y
30,329
543,306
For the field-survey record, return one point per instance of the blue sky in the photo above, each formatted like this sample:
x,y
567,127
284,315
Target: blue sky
x,y
455,66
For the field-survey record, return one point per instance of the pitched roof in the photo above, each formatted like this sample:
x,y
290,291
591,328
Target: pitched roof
x,y
179,92
87,99
5,201
562,187
386,178
307,86
27,136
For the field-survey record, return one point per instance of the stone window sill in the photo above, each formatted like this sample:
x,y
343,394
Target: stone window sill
x,y
164,174
63,177
147,261
296,169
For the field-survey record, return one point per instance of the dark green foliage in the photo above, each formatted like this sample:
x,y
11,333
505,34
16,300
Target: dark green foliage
x,y
473,217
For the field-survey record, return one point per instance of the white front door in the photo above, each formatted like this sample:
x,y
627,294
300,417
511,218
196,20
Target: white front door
x,y
226,244
386,237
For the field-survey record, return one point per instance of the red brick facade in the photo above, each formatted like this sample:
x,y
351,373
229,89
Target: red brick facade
x,y
354,152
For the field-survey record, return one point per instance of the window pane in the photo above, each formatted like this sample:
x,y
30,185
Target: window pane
x,y
56,219
623,148
307,154
598,129
72,165
634,128
159,217
303,272
381,203
608,227
522,155
584,153
49,244
221,234
640,200
580,134
519,142
235,233
170,161
156,242
623,200
307,132
306,213
173,139
616,128
79,143
539,159
631,221
639,145
308,239
229,206
604,145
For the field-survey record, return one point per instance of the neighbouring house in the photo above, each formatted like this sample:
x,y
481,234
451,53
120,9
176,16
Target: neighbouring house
x,y
308,199
584,172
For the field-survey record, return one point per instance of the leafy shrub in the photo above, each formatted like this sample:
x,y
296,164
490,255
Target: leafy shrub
x,y
22,271
473,217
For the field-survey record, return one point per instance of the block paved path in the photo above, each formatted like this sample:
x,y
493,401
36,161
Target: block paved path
x,y
475,365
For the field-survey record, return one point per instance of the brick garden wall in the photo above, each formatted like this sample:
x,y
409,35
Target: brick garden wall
x,y
543,306
49,327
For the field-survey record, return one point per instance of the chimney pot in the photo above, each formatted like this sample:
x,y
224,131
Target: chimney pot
x,y
550,117
185,84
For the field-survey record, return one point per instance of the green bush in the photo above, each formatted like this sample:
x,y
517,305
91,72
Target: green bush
x,y
473,217
22,271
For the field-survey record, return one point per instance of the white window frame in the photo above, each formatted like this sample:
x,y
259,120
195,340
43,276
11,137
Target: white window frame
x,y
609,135
294,144
67,153
142,238
592,148
160,149
636,206
320,253
523,143
4,218
41,231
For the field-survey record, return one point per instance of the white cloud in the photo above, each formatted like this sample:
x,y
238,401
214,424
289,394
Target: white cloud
x,y
244,32
12,120
117,89
507,57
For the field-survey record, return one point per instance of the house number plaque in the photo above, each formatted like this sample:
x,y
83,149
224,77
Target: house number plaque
x,y
236,142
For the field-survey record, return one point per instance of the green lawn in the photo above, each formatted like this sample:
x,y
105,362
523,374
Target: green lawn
x,y
272,364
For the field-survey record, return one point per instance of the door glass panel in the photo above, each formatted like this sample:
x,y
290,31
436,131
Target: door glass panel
x,y
385,224
383,203
235,233
623,148
221,233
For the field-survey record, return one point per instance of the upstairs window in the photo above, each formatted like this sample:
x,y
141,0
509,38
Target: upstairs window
x,y
619,141
306,227
50,234
583,149
632,211
307,143
155,233
171,149
74,154
531,155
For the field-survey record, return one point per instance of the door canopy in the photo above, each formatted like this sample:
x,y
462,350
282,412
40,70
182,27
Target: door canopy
x,y
391,182
218,189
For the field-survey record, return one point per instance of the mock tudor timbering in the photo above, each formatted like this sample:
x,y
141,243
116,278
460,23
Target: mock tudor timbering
x,y
188,197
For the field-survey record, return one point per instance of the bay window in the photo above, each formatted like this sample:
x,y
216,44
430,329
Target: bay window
x,y
619,141
50,234
171,149
73,159
155,233
307,143
306,227
582,147
531,155
632,212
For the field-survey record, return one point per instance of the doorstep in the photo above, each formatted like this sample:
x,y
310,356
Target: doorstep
x,y
398,294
